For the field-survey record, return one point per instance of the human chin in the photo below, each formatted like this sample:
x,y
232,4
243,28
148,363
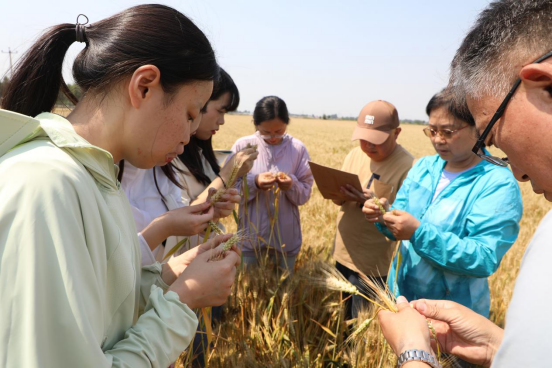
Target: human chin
x,y
203,136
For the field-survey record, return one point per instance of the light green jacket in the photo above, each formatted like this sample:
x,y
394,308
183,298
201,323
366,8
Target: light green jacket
x,y
72,293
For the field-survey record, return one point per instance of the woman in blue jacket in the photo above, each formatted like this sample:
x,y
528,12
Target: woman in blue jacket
x,y
456,216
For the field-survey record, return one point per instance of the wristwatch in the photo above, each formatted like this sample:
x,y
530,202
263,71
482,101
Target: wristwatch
x,y
416,354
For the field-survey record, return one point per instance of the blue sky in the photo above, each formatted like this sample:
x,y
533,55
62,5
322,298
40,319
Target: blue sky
x,y
319,56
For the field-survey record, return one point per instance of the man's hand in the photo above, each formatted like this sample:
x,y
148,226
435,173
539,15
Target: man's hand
x,y
461,331
354,195
372,212
401,224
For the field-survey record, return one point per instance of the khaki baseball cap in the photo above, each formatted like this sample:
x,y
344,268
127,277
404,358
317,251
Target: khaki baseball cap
x,y
375,122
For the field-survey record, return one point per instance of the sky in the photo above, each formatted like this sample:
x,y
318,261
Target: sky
x,y
321,57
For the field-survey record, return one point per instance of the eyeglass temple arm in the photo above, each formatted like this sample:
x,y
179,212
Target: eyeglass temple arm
x,y
481,141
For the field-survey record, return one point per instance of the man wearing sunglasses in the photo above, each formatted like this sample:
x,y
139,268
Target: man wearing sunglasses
x,y
503,73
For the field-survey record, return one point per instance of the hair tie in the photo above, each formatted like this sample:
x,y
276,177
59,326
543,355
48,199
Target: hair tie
x,y
80,28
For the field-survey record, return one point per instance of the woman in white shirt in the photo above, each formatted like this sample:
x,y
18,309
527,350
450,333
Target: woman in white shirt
x,y
199,170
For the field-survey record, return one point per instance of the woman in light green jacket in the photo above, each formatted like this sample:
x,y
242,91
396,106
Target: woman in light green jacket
x,y
73,293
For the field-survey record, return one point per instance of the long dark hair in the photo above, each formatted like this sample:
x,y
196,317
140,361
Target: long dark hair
x,y
191,156
115,48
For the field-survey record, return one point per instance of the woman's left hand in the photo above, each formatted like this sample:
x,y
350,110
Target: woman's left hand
x,y
401,224
176,265
226,204
284,181
407,329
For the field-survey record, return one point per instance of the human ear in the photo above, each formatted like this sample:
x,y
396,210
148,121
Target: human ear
x,y
397,132
536,78
143,83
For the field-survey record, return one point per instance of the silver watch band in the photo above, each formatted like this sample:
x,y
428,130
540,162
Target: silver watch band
x,y
416,354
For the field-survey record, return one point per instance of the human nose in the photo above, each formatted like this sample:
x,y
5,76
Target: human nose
x,y
519,175
439,137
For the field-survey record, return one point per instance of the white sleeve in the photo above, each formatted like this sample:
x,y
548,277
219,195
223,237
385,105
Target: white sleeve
x,y
147,255
528,326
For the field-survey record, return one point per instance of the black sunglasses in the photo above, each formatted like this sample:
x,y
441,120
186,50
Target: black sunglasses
x,y
497,115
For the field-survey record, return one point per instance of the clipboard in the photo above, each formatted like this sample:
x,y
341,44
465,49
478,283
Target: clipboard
x,y
330,180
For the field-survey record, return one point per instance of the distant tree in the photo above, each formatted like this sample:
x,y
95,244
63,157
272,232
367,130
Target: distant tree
x,y
64,101
324,117
3,86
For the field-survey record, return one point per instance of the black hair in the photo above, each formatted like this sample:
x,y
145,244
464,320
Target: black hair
x,y
115,48
191,156
268,108
445,99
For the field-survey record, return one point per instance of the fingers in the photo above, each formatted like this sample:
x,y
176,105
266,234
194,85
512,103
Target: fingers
x,y
199,208
217,240
231,196
355,192
202,220
348,193
237,250
441,310
231,258
402,303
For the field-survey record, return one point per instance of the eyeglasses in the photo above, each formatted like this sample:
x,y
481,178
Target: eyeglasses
x,y
497,115
273,136
443,133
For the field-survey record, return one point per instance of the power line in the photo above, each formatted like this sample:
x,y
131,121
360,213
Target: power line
x,y
10,52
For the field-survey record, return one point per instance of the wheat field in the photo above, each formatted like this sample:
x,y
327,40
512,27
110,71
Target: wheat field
x,y
274,322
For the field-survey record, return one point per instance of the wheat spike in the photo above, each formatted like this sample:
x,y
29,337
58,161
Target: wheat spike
x,y
360,330
378,203
234,239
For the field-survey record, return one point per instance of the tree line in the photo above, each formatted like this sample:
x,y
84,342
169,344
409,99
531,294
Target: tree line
x,y
62,99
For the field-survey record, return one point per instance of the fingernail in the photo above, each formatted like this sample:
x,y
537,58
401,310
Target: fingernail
x,y
422,308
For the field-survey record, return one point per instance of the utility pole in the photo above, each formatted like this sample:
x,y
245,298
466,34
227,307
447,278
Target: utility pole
x,y
10,52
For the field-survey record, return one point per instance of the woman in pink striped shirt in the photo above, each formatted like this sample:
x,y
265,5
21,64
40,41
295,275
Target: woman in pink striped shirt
x,y
279,182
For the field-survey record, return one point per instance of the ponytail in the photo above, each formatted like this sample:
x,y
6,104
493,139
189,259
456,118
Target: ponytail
x,y
115,48
38,77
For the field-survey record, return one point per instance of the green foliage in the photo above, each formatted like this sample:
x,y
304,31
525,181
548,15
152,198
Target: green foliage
x,y
64,101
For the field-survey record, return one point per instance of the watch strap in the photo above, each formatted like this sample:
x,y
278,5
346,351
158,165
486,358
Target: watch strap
x,y
420,355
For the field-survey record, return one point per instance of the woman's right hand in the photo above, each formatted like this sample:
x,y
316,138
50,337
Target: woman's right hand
x,y
190,220
371,210
246,157
205,283
265,181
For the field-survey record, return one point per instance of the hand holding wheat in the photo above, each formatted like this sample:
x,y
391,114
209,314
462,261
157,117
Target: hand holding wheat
x,y
204,283
401,224
265,181
406,329
375,208
284,181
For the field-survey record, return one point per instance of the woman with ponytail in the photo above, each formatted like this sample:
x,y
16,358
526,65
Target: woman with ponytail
x,y
73,292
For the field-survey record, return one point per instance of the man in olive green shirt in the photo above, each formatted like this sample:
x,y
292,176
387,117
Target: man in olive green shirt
x,y
381,165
